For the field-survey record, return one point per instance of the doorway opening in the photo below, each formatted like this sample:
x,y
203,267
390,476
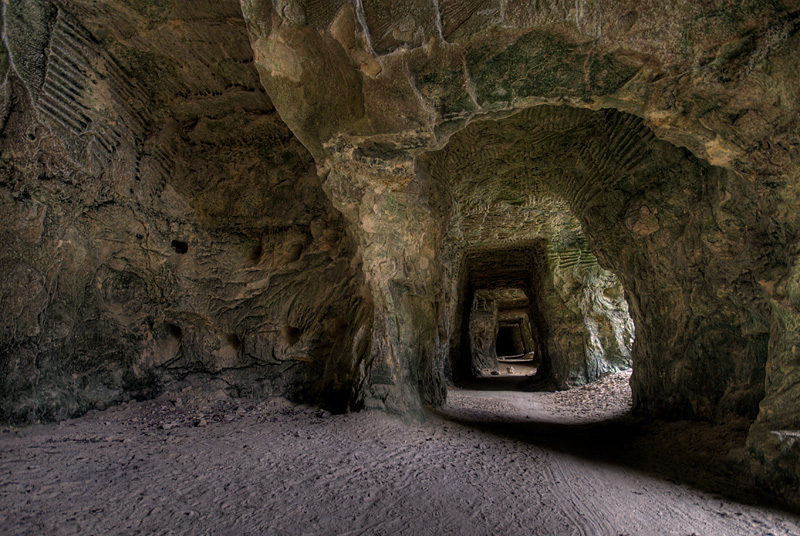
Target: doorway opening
x,y
503,332
509,342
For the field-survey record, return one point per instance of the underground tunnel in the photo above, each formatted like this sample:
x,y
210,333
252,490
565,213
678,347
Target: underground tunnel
x,y
510,341
514,314
349,212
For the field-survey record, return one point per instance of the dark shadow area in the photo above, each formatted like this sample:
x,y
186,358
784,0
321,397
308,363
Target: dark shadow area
x,y
506,345
179,247
497,383
512,278
695,454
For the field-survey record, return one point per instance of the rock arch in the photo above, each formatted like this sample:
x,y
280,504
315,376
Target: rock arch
x,y
710,79
284,203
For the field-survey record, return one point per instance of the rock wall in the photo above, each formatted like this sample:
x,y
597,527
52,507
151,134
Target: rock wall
x,y
591,332
160,234
163,224
483,333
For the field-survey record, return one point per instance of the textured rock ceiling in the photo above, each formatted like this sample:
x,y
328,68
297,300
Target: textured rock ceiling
x,y
301,198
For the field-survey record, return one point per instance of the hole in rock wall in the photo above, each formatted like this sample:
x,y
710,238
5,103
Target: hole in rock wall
x,y
290,335
255,254
336,327
179,247
173,331
234,341
570,205
544,312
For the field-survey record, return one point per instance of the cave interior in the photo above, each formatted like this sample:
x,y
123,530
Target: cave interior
x,y
359,204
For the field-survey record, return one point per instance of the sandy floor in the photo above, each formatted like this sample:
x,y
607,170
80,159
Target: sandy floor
x,y
489,463
513,369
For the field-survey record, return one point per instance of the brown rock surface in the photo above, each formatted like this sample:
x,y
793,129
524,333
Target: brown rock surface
x,y
162,226
301,198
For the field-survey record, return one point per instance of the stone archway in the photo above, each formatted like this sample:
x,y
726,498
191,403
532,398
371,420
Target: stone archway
x,y
716,81
636,198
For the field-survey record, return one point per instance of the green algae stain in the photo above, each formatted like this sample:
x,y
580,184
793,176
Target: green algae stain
x,y
544,65
155,10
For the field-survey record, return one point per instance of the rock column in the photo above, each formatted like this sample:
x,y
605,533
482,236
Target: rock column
x,y
399,236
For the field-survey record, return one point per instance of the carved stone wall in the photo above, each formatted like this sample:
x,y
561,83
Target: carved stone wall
x,y
166,231
279,197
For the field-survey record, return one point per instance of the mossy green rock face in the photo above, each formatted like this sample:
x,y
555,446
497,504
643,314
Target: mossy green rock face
x,y
542,66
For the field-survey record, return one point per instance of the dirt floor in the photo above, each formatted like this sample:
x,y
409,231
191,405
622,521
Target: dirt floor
x,y
490,462
510,368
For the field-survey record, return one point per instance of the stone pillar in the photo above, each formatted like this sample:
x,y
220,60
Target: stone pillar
x,y
774,438
483,333
398,234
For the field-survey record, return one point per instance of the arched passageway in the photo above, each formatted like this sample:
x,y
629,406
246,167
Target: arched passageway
x,y
633,198
569,122
286,198
517,286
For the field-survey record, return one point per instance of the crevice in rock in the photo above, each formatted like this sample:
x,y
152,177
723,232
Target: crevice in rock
x,y
180,247
290,335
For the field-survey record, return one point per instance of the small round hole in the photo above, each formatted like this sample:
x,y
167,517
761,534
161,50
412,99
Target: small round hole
x,y
234,341
255,254
179,247
173,331
290,335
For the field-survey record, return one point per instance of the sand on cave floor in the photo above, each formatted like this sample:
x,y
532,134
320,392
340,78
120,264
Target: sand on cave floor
x,y
490,462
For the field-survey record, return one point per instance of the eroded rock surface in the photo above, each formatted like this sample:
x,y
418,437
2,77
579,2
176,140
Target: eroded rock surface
x,y
483,333
295,198
161,225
